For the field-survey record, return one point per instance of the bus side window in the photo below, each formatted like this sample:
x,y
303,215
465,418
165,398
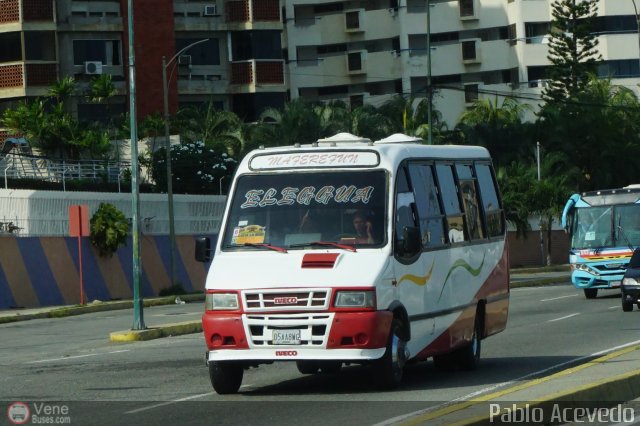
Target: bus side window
x,y
490,202
404,210
470,203
448,189
430,214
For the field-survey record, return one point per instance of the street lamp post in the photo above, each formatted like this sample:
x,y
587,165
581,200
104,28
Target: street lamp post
x,y
165,97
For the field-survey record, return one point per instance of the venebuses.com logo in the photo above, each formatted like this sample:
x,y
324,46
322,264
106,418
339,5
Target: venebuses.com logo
x,y
20,413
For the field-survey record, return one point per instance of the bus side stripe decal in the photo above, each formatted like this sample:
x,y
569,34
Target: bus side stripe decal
x,y
461,263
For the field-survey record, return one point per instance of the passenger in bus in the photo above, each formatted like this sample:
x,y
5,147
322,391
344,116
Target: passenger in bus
x,y
363,227
308,224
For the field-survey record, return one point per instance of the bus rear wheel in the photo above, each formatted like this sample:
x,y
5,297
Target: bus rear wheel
x,y
590,293
226,377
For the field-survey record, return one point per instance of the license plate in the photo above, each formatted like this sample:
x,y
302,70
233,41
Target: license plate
x,y
286,337
615,283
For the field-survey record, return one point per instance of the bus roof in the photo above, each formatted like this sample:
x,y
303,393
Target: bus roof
x,y
346,150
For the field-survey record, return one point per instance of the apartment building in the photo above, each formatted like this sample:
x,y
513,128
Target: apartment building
x,y
238,66
259,53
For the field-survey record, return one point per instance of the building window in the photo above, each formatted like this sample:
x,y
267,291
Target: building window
x,y
352,20
106,51
469,50
470,93
355,61
205,53
466,8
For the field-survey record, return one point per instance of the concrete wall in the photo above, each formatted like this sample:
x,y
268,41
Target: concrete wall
x,y
44,271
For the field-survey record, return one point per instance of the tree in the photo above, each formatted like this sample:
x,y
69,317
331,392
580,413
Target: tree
x,y
499,128
572,48
598,129
222,130
101,90
410,117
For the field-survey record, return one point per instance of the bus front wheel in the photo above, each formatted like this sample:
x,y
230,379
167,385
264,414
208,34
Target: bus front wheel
x,y
590,293
388,370
226,377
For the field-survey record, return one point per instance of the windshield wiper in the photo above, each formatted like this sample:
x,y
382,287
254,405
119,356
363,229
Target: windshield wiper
x,y
326,244
266,245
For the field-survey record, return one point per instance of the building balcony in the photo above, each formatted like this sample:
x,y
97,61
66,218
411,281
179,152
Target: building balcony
x,y
257,75
32,11
252,11
353,67
93,16
20,79
351,25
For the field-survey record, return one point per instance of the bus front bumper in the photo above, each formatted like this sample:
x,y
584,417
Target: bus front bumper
x,y
582,280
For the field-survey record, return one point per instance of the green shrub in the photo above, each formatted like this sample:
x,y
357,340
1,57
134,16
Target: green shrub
x,y
109,229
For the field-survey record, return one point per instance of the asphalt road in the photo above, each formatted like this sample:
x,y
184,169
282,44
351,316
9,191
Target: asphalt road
x,y
165,381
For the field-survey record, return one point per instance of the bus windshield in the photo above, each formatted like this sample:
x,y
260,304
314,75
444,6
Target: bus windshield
x,y
298,210
606,226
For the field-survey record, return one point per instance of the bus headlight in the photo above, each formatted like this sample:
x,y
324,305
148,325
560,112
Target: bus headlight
x,y
221,301
585,268
630,281
355,299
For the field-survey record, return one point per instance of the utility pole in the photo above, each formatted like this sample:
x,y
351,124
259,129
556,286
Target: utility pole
x,y
138,316
429,88
635,9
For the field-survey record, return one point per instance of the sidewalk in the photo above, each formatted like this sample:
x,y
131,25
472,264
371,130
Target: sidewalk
x,y
597,386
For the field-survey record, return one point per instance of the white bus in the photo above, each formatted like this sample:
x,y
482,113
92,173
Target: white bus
x,y
353,251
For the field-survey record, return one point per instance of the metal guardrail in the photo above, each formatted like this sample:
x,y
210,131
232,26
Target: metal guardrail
x,y
21,166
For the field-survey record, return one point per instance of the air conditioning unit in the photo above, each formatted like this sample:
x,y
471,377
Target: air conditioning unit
x,y
184,60
210,10
539,83
93,67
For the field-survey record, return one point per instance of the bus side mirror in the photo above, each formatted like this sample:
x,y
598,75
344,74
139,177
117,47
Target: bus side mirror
x,y
412,243
203,249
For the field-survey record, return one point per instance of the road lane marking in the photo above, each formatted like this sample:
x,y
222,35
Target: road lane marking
x,y
420,416
614,307
162,404
559,297
564,317
75,357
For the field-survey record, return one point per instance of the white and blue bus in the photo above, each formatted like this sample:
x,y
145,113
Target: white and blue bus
x,y
605,229
359,252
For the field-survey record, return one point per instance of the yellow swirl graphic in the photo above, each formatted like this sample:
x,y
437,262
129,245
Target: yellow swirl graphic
x,y
416,279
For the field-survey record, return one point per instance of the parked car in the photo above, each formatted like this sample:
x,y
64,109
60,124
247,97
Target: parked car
x,y
631,283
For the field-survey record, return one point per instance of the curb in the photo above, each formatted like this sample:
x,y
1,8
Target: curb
x,y
599,394
98,307
176,329
540,282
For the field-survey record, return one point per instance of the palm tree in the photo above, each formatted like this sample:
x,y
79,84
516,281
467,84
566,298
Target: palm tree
x,y
498,127
216,128
62,89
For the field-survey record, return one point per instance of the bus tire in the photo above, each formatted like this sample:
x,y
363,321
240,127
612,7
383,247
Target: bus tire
x,y
308,366
468,356
627,306
590,293
388,370
226,377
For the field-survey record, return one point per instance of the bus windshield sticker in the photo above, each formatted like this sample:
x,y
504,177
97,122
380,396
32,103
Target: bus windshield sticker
x,y
304,196
250,234
590,236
